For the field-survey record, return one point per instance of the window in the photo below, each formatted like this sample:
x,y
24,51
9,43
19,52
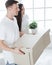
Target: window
x,y
38,3
2,9
40,11
48,3
27,3
35,10
39,14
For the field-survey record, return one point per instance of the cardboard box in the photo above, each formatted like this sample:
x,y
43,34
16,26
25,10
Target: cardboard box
x,y
33,47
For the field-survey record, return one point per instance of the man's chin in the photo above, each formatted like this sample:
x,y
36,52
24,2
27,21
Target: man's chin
x,y
16,14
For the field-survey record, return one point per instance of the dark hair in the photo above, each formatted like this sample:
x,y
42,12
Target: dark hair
x,y
10,3
19,16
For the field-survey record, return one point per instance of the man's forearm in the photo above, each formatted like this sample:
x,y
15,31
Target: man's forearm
x,y
3,46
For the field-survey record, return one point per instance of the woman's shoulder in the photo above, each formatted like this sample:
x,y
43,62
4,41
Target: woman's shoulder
x,y
26,16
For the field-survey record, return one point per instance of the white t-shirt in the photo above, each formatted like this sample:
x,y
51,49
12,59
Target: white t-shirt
x,y
25,23
10,33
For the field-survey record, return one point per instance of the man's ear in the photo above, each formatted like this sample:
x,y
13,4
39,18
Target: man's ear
x,y
10,7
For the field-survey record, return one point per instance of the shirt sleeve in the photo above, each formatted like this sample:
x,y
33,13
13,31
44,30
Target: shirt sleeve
x,y
2,32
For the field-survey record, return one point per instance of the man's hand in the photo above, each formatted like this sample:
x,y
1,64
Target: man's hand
x,y
18,51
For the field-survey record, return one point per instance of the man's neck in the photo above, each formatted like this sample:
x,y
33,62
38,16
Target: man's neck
x,y
9,16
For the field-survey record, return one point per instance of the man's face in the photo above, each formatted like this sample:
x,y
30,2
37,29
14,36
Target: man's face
x,y
14,9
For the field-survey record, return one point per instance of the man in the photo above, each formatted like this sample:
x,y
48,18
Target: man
x,y
9,32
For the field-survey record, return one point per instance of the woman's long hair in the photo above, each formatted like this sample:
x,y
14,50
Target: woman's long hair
x,y
19,17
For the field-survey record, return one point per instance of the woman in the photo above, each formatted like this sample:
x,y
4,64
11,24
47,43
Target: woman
x,y
22,20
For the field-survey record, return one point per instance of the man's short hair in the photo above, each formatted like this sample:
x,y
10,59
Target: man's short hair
x,y
10,3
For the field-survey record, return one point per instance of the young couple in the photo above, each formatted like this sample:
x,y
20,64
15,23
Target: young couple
x,y
9,31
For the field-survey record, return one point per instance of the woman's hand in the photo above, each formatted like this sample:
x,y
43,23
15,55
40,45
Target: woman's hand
x,y
21,34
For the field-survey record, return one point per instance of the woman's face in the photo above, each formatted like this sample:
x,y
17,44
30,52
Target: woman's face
x,y
23,10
